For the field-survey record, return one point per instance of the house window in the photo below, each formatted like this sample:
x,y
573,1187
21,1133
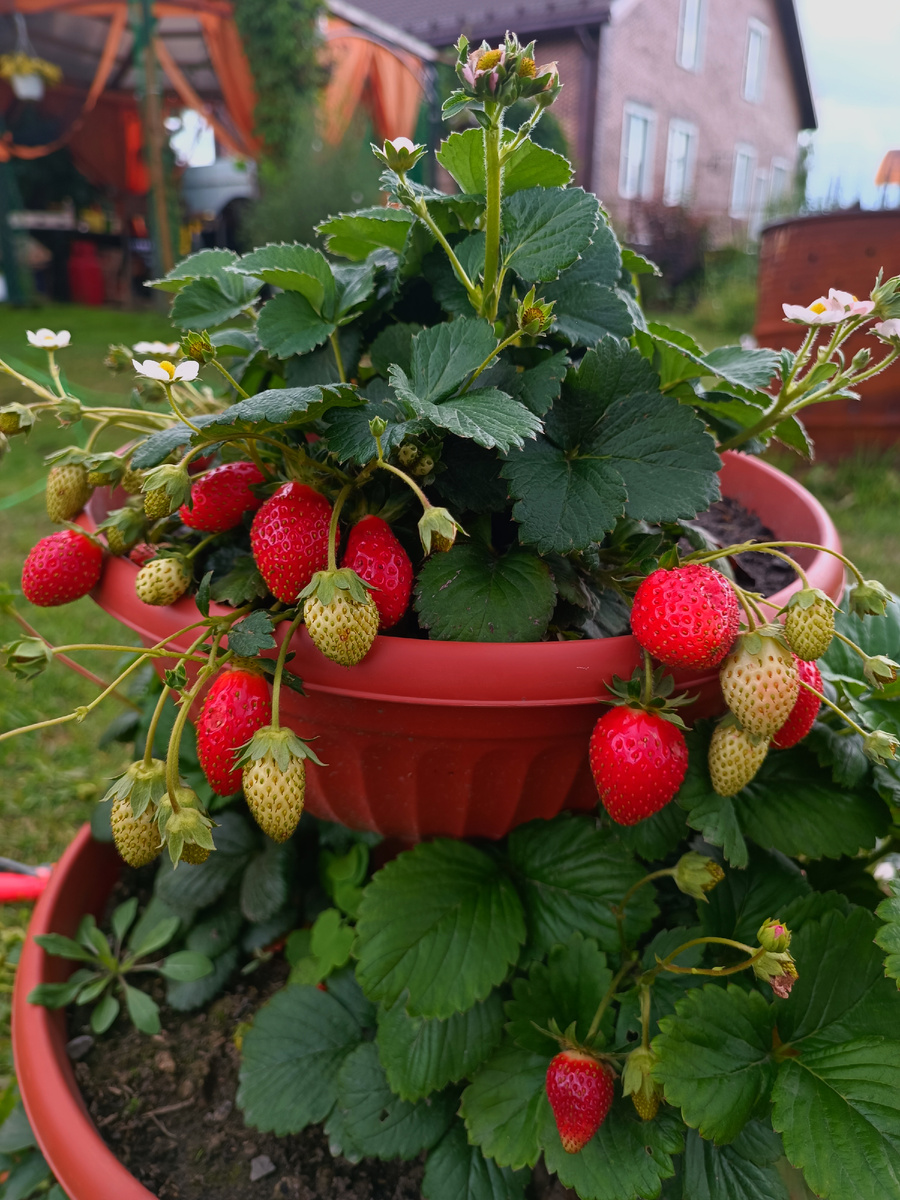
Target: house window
x,y
742,181
636,162
755,63
681,154
690,34
779,182
758,196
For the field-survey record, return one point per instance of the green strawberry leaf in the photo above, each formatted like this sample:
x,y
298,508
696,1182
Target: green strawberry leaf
x,y
504,1104
355,235
377,1122
462,155
157,448
487,416
350,437
455,1170
288,324
292,1055
739,904
443,921
570,874
265,884
423,1055
186,892
293,268
837,1108
471,594
205,302
545,229
656,836
241,585
626,1157
715,1058
888,936
566,989
733,1172
444,355
186,996
205,264
588,303
252,634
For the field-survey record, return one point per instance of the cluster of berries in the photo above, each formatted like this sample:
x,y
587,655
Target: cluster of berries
x,y
689,617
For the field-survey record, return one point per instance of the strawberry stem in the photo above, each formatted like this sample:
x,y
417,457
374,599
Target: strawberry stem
x,y
234,383
666,964
647,690
160,704
645,1016
834,707
333,526
338,360
386,466
604,1004
707,556
187,699
177,411
279,668
750,607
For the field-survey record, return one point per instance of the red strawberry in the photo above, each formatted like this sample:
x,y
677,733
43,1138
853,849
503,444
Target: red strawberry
x,y
221,497
379,560
686,617
236,706
580,1091
63,566
639,760
142,553
805,710
289,539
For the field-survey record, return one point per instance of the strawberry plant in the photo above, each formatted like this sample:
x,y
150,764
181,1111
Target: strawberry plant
x,y
451,422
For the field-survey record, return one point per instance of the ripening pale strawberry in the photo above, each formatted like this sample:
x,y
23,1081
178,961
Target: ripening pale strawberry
x,y
809,623
137,839
274,780
220,498
638,760
734,758
62,566
236,706
759,682
163,580
805,710
289,539
580,1091
340,615
686,617
374,553
68,491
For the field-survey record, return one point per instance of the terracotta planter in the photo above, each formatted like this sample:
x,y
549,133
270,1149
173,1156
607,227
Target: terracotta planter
x,y
802,258
79,1158
461,739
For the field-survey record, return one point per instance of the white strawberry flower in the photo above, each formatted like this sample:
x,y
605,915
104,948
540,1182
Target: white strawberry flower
x,y
167,372
169,349
828,310
46,339
888,331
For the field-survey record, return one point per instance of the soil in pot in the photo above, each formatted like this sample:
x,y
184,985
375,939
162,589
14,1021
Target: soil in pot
x,y
730,523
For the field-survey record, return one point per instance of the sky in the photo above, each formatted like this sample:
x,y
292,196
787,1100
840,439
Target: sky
x,y
852,53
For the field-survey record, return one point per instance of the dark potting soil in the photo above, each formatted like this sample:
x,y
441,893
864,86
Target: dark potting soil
x,y
730,523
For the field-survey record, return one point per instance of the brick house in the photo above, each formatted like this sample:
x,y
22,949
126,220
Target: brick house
x,y
691,103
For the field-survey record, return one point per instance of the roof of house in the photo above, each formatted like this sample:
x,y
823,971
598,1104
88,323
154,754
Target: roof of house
x,y
441,21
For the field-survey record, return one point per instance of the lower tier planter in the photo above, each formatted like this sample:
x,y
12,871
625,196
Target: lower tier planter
x,y
462,739
79,1158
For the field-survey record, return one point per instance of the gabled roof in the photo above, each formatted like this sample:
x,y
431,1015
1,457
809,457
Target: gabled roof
x,y
440,22
790,27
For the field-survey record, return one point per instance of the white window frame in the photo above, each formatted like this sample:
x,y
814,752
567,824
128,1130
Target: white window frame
x,y
697,43
686,129
778,166
754,87
739,207
759,195
644,188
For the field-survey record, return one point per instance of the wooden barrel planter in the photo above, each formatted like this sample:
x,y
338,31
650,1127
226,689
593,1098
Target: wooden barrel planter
x,y
800,259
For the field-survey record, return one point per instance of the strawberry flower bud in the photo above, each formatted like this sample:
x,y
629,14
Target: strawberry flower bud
x,y
198,348
27,657
880,746
774,935
533,316
399,154
118,359
887,331
879,670
869,598
695,875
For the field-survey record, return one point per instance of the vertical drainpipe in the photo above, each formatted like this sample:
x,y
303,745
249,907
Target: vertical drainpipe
x,y
589,37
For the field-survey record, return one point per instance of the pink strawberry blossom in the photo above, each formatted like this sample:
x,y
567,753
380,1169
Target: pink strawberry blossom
x,y
828,310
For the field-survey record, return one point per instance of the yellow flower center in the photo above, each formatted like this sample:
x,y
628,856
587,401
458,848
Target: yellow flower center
x,y
818,307
532,315
489,60
527,68
168,368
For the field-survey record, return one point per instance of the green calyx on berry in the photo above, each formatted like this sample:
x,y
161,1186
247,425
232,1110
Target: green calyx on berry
x,y
438,530
189,826
282,745
774,935
124,528
534,316
143,784
879,670
105,470
325,584
880,746
869,599
696,874
27,657
169,483
660,701
639,1084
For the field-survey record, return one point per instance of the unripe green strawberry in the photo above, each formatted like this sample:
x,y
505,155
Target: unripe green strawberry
x,y
163,580
340,615
132,480
809,623
759,681
115,539
9,422
137,838
734,757
274,780
68,491
194,854
157,503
